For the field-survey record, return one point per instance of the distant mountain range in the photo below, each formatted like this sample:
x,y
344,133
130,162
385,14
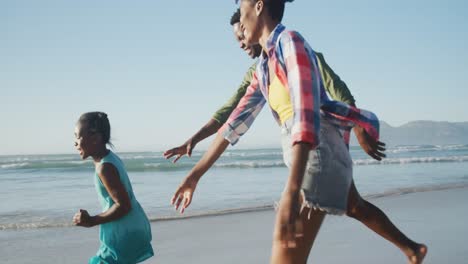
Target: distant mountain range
x,y
423,133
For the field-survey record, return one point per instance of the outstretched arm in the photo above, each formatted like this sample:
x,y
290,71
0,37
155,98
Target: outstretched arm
x,y
184,193
218,119
237,125
207,130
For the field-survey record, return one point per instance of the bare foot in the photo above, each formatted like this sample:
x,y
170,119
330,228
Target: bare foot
x,y
419,255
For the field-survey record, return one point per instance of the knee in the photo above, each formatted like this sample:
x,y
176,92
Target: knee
x,y
356,209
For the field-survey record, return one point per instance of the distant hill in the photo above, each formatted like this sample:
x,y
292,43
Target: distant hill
x,y
423,133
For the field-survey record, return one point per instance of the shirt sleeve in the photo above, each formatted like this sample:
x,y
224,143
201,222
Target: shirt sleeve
x,y
336,88
245,113
303,81
223,113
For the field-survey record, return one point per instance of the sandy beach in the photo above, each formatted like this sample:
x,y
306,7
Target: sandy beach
x,y
436,218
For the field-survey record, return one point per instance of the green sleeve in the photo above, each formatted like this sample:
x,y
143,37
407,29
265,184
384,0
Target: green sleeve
x,y
335,87
225,111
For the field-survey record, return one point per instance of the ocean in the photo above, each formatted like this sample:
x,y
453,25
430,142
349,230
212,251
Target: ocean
x,y
44,191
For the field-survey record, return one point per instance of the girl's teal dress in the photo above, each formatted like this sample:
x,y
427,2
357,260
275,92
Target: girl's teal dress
x,y
128,239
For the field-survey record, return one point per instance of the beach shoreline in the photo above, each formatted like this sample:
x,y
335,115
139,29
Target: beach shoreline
x,y
432,217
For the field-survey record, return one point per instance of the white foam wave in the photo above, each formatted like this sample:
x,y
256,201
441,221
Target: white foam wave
x,y
411,160
14,165
13,226
252,154
251,164
419,148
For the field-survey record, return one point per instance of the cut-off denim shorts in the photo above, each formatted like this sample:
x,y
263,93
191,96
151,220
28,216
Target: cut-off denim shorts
x,y
328,173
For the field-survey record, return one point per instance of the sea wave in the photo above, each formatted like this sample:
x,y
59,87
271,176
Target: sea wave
x,y
14,165
426,148
411,160
62,223
251,154
222,164
47,164
37,225
164,166
251,164
161,165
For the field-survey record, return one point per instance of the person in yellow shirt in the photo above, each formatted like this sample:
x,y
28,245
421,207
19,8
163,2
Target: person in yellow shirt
x,y
357,207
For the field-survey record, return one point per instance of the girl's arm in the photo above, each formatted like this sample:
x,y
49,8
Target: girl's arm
x,y
110,179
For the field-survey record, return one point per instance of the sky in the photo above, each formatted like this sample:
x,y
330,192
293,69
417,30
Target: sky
x,y
161,68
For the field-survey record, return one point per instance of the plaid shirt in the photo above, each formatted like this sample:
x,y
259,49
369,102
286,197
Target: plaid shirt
x,y
295,65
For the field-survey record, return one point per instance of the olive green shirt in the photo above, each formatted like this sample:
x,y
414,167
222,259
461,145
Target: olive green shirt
x,y
335,87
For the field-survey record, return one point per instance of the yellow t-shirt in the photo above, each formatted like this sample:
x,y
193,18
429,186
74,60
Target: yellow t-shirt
x,y
279,100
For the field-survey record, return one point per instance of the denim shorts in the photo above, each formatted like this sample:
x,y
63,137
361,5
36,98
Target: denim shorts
x,y
329,169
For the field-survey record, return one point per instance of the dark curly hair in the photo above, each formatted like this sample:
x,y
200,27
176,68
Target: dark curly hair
x,y
97,122
275,7
235,18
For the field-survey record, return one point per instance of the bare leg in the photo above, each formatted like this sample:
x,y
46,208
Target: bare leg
x,y
377,221
299,254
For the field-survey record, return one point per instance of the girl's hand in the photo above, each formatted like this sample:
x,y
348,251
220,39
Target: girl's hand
x,y
82,218
288,220
184,194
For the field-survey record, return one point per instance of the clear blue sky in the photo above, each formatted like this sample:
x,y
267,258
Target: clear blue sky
x,y
161,68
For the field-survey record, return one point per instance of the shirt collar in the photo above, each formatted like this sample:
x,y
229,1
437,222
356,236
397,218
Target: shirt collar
x,y
273,38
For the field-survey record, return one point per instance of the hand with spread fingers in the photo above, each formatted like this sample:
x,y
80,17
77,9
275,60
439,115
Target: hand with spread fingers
x,y
207,130
373,148
178,152
183,195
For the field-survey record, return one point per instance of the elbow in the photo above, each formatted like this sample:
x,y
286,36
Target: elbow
x,y
125,207
215,124
128,208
